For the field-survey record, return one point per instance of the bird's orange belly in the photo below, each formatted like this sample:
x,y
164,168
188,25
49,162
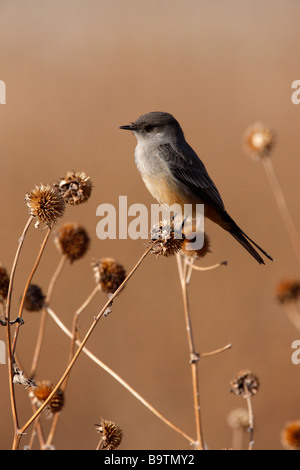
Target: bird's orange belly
x,y
168,192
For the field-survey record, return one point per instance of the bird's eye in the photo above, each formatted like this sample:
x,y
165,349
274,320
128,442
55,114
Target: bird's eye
x,y
149,127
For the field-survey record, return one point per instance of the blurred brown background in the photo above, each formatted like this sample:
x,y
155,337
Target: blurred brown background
x,y
75,71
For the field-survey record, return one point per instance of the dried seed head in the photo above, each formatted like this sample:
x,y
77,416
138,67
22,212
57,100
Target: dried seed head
x,y
170,239
72,240
75,187
196,254
259,141
111,435
57,402
4,283
238,418
34,299
109,274
288,290
244,384
290,436
46,204
42,392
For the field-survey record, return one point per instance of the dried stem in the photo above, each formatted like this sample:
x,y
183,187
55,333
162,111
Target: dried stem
x,y
27,285
216,351
81,346
10,360
119,379
41,332
251,419
282,205
192,266
194,357
207,268
77,316
36,431
237,438
73,337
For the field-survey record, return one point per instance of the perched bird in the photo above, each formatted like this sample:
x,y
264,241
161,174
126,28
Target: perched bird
x,y
174,174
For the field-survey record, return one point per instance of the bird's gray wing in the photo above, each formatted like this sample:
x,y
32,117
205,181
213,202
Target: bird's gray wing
x,y
187,167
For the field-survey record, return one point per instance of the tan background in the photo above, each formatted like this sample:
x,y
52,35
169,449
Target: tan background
x,y
75,71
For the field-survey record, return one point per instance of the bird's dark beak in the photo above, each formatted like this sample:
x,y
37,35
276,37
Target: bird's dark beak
x,y
129,127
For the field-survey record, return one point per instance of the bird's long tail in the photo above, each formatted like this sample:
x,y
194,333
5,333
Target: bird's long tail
x,y
246,241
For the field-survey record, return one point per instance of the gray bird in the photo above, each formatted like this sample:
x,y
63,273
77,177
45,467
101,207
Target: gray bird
x,y
174,174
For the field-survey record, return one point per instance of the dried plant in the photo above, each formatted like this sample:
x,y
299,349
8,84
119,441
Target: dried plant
x,y
238,420
111,435
290,436
75,187
46,204
288,294
109,274
34,298
246,385
72,240
259,141
4,284
169,239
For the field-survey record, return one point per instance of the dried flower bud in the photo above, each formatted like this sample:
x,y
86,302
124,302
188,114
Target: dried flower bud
x,y
4,284
196,254
244,384
57,402
259,141
290,436
34,299
42,392
72,240
288,290
75,187
46,204
109,274
111,435
238,419
170,239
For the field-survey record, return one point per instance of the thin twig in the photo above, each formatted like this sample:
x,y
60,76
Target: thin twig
x,y
194,357
216,351
251,420
77,316
36,431
190,262
118,379
237,438
27,285
71,355
10,360
282,205
42,327
207,268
